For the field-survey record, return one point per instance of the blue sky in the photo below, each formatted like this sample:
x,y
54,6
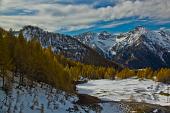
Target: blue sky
x,y
77,16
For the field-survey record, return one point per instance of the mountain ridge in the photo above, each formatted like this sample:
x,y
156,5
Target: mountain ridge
x,y
67,45
138,48
131,48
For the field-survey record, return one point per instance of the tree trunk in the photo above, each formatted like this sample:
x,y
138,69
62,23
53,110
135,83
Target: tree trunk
x,y
3,78
21,78
3,81
20,81
13,76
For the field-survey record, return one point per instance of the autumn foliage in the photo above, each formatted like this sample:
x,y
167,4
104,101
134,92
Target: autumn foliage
x,y
28,59
161,75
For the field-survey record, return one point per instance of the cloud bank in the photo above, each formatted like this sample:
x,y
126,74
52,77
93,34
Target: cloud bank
x,y
70,15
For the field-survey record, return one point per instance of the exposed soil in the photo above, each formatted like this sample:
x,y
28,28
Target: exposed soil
x,y
135,107
87,99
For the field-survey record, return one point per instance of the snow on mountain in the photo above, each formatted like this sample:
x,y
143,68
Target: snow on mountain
x,y
137,48
102,42
128,39
129,90
66,45
150,38
128,48
60,43
143,48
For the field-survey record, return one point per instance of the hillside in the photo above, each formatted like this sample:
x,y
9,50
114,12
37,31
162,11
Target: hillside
x,y
101,42
138,48
67,46
43,98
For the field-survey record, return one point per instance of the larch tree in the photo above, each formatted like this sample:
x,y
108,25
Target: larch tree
x,y
5,59
20,57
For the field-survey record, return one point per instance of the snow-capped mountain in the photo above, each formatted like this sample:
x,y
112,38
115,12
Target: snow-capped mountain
x,y
66,45
102,42
151,39
143,48
138,48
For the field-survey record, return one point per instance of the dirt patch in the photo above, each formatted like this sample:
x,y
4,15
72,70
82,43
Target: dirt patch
x,y
134,107
139,107
87,99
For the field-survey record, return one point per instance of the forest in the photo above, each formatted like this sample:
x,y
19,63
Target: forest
x,y
28,59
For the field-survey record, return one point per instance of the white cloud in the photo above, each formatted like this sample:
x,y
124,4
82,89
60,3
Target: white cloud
x,y
160,22
73,17
115,24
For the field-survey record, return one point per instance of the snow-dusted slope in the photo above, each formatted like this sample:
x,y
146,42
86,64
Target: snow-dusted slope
x,y
128,90
60,43
66,45
41,99
140,44
102,42
151,39
143,48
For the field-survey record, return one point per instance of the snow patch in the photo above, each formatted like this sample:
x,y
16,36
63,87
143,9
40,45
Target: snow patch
x,y
128,90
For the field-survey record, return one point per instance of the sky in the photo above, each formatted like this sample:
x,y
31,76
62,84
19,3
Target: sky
x,y
77,16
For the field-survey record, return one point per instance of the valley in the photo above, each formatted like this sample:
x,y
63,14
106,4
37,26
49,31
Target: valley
x,y
49,72
84,56
130,90
43,98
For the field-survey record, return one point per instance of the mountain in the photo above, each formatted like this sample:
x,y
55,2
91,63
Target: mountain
x,y
101,42
143,48
138,48
66,45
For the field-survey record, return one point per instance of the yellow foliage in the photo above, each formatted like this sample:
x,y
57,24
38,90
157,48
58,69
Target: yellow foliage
x,y
145,73
125,73
163,75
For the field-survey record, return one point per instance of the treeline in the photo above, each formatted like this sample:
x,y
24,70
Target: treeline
x,y
27,59
91,72
161,75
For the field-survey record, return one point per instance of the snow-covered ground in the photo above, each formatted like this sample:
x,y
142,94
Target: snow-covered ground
x,y
2,94
41,99
127,90
36,100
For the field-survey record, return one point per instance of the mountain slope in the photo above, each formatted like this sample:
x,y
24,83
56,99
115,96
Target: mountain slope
x,y
138,48
101,42
143,48
67,46
43,98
